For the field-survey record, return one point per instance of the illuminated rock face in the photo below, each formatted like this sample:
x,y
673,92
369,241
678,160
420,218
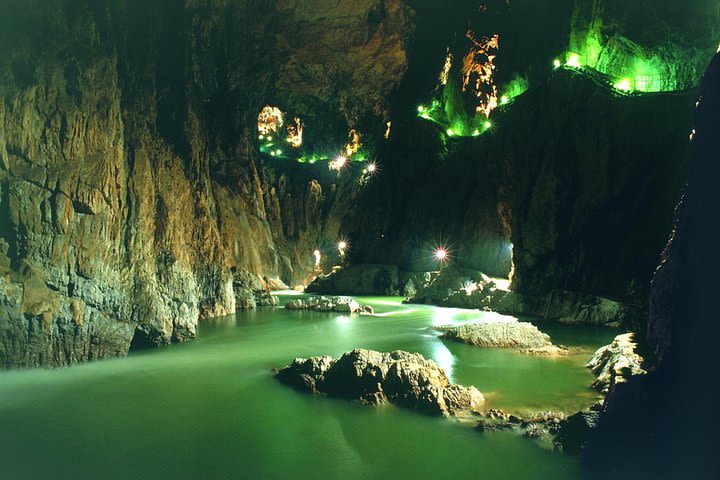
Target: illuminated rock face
x,y
656,45
616,363
522,336
403,378
130,185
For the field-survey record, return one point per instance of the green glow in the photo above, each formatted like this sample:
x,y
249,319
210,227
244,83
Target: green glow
x,y
557,63
619,58
476,133
488,124
592,50
450,132
420,108
573,60
514,88
269,138
426,116
623,85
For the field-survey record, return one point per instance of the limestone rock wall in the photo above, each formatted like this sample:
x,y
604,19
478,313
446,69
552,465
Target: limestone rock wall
x,y
130,187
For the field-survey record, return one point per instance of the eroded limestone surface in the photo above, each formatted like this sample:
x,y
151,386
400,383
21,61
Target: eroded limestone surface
x,y
522,336
329,304
616,363
403,378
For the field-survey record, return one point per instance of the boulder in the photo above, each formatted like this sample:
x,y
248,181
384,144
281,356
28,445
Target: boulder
x,y
403,378
517,335
615,363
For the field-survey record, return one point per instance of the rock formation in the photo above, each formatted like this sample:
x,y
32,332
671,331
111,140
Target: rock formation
x,y
522,336
616,363
555,430
329,304
399,377
131,188
669,411
463,288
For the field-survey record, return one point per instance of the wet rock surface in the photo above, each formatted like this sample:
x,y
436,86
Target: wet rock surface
x,y
574,432
251,291
616,363
329,304
555,430
403,378
129,171
522,336
463,288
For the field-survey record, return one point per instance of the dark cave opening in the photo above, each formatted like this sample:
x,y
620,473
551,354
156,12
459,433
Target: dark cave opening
x,y
141,341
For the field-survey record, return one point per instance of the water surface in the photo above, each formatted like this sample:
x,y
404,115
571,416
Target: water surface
x,y
211,408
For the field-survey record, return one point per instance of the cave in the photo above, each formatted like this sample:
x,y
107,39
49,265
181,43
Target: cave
x,y
499,212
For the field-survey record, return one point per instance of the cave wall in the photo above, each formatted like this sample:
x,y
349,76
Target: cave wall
x,y
132,193
577,183
573,182
661,424
131,189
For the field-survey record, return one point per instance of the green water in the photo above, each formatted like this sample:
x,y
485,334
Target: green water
x,y
211,408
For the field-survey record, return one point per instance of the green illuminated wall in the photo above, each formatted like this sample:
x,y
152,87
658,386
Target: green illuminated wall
x,y
650,46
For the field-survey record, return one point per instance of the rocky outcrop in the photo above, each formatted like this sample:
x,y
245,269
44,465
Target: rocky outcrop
x,y
555,430
462,288
541,425
616,363
573,432
131,187
522,336
329,304
251,292
399,377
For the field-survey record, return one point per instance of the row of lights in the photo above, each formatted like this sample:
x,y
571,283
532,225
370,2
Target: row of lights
x,y
451,132
440,254
574,62
341,162
342,246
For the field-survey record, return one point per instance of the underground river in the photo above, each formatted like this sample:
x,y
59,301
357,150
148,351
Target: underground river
x,y
212,409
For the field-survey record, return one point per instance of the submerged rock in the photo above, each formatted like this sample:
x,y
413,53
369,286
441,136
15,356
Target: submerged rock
x,y
329,304
518,335
615,363
403,378
554,429
540,426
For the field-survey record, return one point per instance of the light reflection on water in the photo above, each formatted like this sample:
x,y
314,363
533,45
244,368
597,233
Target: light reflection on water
x,y
444,358
212,409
